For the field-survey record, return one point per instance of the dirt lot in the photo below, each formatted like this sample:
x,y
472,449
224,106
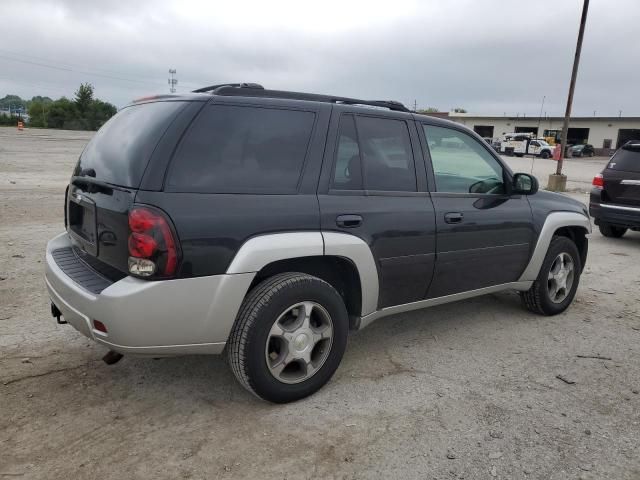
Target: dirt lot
x,y
467,390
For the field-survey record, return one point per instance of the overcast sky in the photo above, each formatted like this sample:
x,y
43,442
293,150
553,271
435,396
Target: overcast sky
x,y
488,56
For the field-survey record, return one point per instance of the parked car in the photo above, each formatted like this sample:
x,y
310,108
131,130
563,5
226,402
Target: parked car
x,y
615,198
582,150
266,224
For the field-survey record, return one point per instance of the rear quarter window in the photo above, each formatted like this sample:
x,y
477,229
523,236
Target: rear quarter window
x,y
242,149
626,159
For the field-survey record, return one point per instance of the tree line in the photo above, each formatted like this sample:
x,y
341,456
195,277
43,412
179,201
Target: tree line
x,y
83,112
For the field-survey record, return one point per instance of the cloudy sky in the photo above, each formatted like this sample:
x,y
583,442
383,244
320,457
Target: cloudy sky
x,y
489,56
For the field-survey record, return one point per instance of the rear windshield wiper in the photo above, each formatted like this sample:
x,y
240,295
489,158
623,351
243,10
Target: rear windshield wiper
x,y
90,180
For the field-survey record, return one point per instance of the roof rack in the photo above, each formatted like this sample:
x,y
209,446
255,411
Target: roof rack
x,y
235,85
255,90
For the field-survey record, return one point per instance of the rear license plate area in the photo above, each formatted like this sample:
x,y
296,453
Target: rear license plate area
x,y
82,222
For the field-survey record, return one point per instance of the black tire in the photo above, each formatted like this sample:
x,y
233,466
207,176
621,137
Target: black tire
x,y
258,313
611,231
545,154
537,298
591,154
519,155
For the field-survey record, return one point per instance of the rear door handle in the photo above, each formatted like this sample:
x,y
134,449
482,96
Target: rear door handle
x,y
453,217
349,221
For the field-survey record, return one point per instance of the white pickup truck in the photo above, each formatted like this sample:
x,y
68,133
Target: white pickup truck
x,y
520,144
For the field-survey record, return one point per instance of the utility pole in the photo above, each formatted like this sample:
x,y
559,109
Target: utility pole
x,y
172,81
560,182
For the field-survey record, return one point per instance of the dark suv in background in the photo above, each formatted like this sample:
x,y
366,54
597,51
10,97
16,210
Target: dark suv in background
x,y
615,198
265,224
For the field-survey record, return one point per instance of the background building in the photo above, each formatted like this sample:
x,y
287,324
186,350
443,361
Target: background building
x,y
604,133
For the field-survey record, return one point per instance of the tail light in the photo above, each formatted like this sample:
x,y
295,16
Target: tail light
x,y
598,181
153,249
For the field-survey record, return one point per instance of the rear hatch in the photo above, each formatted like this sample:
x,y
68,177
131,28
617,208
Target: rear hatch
x,y
622,176
107,177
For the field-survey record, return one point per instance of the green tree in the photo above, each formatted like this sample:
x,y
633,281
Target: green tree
x,y
99,113
38,112
429,110
459,110
62,114
84,98
13,101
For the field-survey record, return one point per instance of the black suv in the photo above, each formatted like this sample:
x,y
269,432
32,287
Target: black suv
x,y
265,224
615,198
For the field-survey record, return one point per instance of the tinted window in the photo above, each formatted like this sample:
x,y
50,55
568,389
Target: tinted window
x,y
386,153
461,164
347,172
120,150
627,159
233,149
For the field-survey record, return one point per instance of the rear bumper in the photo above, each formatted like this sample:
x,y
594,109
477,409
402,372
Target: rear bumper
x,y
170,317
613,214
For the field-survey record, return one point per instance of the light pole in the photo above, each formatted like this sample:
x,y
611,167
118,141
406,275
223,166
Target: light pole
x,y
558,182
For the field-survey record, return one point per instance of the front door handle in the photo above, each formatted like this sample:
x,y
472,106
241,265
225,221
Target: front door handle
x,y
453,217
349,221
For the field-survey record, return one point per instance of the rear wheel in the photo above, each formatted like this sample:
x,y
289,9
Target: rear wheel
x,y
289,337
557,283
611,231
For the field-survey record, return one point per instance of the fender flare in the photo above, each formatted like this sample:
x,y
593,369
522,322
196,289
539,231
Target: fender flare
x,y
553,222
257,252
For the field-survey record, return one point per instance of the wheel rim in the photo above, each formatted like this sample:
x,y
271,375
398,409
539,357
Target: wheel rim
x,y
299,342
561,276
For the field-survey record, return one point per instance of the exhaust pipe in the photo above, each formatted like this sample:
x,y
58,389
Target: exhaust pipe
x,y
112,357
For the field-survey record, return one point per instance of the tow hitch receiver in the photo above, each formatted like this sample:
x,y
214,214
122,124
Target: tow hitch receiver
x,y
55,312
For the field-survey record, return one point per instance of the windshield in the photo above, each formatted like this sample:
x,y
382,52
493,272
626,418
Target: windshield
x,y
119,152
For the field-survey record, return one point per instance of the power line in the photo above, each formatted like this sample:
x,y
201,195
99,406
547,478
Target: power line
x,y
67,69
68,66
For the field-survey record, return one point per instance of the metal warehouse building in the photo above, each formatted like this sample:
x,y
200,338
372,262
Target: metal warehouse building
x,y
604,133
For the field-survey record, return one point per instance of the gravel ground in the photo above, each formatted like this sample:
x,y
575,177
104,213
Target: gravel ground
x,y
467,390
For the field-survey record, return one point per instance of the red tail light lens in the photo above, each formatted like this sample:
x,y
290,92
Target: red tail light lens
x,y
141,245
598,181
152,245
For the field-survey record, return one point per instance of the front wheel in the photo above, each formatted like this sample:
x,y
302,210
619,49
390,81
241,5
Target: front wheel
x,y
557,283
545,154
611,231
289,337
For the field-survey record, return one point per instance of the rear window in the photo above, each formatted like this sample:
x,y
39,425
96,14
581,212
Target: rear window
x,y
239,149
627,159
119,152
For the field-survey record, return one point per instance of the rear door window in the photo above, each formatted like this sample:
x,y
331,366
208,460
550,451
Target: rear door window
x,y
386,153
242,149
626,159
375,156
348,170
119,152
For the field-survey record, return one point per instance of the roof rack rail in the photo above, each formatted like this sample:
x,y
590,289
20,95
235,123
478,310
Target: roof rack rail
x,y
235,85
248,90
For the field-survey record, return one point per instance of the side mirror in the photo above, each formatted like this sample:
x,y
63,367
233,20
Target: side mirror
x,y
524,184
